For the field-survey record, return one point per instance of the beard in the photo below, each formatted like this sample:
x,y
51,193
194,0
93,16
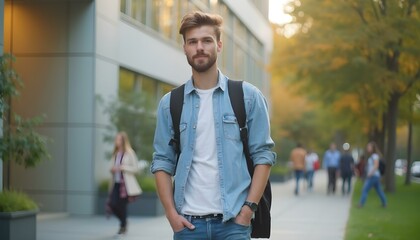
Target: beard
x,y
202,65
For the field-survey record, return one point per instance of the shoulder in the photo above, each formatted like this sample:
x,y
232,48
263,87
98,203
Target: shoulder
x,y
250,90
165,100
375,156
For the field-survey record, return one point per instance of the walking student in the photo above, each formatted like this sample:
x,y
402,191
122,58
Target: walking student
x,y
373,176
123,185
212,195
346,169
297,157
311,159
330,162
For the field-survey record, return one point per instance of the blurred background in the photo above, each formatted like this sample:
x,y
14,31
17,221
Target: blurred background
x,y
332,71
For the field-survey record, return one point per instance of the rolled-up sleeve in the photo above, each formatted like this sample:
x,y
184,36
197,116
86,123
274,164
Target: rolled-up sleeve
x,y
258,122
164,155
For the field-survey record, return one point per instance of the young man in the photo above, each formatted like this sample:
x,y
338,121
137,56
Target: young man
x,y
213,196
297,157
331,162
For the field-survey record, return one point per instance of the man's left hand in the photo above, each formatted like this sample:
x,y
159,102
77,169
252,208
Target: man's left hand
x,y
245,216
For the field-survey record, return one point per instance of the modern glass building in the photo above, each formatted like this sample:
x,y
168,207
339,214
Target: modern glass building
x,y
69,52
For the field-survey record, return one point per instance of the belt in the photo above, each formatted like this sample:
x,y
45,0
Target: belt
x,y
213,216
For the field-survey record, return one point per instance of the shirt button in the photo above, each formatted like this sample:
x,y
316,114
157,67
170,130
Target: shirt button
x,y
195,126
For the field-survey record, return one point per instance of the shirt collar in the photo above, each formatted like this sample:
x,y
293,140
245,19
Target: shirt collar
x,y
222,81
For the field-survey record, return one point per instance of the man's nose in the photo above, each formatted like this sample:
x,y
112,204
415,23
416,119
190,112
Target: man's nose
x,y
200,45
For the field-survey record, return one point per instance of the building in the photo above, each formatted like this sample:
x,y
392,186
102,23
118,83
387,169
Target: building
x,y
69,52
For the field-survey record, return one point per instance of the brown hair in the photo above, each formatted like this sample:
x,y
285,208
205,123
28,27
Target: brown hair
x,y
125,142
375,148
198,19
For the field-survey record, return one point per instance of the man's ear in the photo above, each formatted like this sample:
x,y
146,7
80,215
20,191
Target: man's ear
x,y
219,46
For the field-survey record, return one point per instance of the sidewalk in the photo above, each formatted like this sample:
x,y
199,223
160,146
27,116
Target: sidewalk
x,y
314,216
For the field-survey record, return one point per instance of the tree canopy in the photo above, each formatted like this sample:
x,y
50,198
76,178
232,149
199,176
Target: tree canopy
x,y
357,58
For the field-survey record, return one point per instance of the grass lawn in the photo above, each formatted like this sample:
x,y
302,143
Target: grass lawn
x,y
399,221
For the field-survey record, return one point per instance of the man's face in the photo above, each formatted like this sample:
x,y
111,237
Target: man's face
x,y
201,48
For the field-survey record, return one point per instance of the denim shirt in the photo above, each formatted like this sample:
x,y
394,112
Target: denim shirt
x,y
233,172
331,158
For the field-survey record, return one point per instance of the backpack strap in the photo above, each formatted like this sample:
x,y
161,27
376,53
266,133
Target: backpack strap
x,y
175,107
236,95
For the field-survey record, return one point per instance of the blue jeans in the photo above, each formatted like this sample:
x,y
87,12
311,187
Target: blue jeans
x,y
298,175
370,182
214,229
346,179
310,178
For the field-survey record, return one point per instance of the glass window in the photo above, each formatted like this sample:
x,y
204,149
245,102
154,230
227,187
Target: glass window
x,y
138,10
126,83
163,17
123,6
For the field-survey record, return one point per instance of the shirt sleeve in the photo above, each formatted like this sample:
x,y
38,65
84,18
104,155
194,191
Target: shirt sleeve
x,y
164,156
258,123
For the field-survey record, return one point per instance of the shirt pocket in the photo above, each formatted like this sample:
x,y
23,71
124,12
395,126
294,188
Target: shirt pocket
x,y
231,128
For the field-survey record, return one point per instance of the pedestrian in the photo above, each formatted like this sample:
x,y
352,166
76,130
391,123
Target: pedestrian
x,y
330,162
297,157
124,187
311,161
346,169
373,176
213,195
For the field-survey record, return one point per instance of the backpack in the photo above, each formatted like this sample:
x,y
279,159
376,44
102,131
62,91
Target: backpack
x,y
261,224
382,166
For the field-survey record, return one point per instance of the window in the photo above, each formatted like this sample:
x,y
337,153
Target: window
x,y
132,82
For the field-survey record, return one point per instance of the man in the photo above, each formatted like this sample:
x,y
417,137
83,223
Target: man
x,y
297,156
213,195
331,161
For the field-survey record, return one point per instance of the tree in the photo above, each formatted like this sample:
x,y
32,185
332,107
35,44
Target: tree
x,y
133,113
363,50
20,142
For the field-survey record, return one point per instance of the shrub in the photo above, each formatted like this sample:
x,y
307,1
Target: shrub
x,y
13,201
147,183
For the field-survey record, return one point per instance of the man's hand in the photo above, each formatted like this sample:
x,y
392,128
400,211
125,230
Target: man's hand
x,y
244,217
178,222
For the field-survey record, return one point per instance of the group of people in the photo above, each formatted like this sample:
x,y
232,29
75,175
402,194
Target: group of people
x,y
341,164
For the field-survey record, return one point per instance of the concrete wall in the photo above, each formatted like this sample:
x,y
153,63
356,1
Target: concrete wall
x,y
54,45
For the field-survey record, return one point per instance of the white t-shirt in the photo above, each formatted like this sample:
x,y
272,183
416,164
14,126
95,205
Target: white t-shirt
x,y
310,159
202,190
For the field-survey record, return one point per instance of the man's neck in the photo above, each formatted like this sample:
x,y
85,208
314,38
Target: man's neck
x,y
206,80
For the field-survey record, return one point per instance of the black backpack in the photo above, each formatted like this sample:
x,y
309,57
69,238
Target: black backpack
x,y
382,166
261,224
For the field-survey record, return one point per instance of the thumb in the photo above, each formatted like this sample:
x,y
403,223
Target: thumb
x,y
188,224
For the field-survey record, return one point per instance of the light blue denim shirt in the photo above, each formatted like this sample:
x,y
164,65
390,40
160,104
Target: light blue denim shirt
x,y
233,173
331,158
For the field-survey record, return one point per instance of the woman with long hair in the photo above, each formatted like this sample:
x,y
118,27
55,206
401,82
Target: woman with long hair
x,y
373,176
123,185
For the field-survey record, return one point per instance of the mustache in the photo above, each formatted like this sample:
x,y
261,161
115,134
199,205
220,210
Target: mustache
x,y
200,55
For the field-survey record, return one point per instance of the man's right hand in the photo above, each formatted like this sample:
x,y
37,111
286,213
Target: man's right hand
x,y
178,222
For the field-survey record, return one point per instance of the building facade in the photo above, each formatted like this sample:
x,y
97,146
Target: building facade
x,y
70,52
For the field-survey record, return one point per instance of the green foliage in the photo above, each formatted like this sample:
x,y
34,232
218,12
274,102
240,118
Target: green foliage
x,y
20,141
147,183
133,113
279,170
13,201
399,221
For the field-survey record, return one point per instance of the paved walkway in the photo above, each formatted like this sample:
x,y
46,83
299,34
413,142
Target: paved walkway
x,y
314,216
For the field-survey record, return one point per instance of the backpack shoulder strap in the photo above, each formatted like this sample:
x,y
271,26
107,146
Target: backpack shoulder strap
x,y
236,95
175,107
